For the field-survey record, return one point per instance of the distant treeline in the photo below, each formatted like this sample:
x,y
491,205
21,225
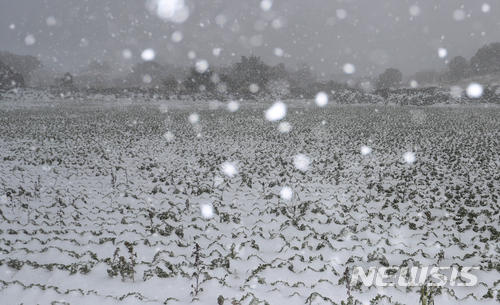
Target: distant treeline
x,y
250,76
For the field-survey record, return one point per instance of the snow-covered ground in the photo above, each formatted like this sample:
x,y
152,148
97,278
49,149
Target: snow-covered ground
x,y
279,210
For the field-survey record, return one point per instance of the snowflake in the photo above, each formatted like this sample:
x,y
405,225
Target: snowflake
x,y
232,106
365,150
169,136
321,99
229,169
276,112
207,210
409,157
194,118
301,162
285,127
286,193
148,54
474,90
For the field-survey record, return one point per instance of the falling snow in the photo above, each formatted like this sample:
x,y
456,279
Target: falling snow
x,y
229,169
216,51
301,162
172,10
148,54
321,99
366,150
29,40
266,5
459,15
284,127
474,90
254,88
414,10
194,118
207,210
127,54
51,21
169,136
177,36
201,65
276,112
278,52
233,106
341,14
349,68
147,79
274,168
286,193
409,157
442,52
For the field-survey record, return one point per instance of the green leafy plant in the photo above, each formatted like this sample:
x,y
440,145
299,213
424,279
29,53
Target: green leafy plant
x,y
220,300
120,265
151,213
347,280
427,295
60,212
198,265
37,186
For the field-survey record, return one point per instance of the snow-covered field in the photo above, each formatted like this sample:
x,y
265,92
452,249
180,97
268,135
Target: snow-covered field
x,y
278,213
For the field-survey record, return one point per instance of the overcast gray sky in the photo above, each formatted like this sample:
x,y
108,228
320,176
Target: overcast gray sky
x,y
372,35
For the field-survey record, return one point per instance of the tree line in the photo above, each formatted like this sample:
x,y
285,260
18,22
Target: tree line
x,y
248,76
485,61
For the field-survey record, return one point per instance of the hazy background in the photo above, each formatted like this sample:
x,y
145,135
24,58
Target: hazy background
x,y
326,34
